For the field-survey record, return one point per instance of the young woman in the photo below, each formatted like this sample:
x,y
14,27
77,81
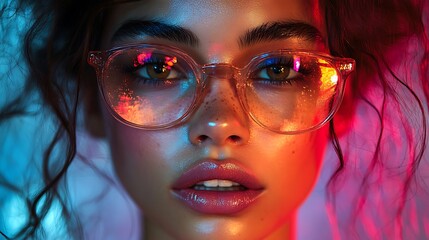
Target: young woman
x,y
218,113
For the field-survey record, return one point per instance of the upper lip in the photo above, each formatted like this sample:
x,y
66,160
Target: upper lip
x,y
209,169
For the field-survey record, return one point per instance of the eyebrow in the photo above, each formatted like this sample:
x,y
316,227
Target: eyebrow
x,y
280,30
137,28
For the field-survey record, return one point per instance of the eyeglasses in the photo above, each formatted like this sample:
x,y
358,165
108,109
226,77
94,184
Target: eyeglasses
x,y
151,86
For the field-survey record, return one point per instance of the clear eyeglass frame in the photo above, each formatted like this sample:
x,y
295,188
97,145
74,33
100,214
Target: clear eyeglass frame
x,y
101,60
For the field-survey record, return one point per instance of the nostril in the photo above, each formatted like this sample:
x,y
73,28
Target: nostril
x,y
202,138
234,139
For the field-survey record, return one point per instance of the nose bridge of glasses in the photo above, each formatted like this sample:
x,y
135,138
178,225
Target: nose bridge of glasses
x,y
227,73
218,86
220,70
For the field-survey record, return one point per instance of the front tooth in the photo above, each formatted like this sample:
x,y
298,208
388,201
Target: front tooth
x,y
225,183
211,183
218,183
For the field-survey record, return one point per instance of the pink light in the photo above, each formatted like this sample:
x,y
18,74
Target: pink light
x,y
142,58
296,63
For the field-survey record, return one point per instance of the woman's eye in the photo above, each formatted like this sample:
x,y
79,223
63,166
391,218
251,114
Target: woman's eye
x,y
276,73
157,71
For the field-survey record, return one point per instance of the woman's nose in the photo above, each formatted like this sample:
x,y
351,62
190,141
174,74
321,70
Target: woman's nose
x,y
220,119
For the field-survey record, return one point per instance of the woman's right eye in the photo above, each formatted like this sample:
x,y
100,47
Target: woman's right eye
x,y
157,71
277,70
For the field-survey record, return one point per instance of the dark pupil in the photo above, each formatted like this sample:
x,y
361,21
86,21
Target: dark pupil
x,y
278,72
278,69
159,68
158,71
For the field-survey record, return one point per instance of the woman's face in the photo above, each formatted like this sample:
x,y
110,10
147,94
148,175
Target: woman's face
x,y
160,168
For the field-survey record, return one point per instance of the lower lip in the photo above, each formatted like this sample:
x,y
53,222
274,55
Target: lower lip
x,y
217,202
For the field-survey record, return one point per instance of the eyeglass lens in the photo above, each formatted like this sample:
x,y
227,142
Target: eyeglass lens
x,y
148,87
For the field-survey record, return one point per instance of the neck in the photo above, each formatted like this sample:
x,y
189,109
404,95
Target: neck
x,y
152,231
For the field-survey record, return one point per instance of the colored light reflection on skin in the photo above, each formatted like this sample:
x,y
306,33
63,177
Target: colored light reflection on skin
x,y
233,228
288,125
214,124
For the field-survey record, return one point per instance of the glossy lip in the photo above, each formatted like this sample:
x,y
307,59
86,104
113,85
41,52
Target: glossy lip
x,y
217,202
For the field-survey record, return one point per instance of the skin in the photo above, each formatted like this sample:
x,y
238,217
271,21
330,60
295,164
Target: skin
x,y
148,162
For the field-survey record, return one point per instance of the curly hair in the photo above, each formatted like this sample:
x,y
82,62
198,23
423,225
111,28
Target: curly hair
x,y
62,33
370,32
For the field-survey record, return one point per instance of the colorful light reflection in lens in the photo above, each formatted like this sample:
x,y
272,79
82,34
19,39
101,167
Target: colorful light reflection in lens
x,y
142,58
134,110
170,61
296,63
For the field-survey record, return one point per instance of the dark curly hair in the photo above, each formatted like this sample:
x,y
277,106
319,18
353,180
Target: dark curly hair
x,y
61,34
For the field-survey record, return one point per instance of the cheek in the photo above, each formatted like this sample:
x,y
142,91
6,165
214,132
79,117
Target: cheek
x,y
292,165
132,162
140,163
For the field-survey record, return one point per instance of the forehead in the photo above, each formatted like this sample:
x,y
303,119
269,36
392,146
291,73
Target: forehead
x,y
187,10
217,24
224,14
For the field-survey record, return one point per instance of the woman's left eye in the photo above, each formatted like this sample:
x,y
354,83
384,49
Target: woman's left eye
x,y
276,72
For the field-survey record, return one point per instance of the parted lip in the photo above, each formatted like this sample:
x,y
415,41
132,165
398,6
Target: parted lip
x,y
213,169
